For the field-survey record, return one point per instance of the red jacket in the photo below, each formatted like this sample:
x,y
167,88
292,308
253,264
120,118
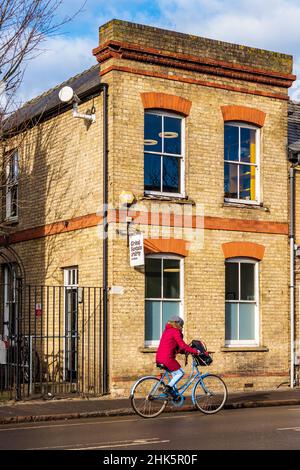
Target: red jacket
x,y
171,343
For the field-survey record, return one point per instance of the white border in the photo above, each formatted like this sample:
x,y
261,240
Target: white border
x,y
254,342
181,156
149,344
257,201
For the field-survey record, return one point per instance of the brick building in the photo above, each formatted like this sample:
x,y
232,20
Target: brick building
x,y
197,136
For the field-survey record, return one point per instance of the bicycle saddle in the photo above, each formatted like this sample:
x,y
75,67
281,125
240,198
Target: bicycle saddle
x,y
161,366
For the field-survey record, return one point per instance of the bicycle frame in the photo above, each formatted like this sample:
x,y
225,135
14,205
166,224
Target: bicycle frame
x,y
193,377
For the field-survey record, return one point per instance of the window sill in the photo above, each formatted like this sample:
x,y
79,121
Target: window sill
x,y
11,221
242,205
245,349
148,350
177,199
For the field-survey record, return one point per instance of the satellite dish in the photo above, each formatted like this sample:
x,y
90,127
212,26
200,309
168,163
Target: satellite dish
x,y
66,94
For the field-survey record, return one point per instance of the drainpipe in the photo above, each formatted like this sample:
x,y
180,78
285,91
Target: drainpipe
x,y
292,269
105,381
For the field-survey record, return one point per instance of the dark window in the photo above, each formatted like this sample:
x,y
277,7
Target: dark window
x,y
163,153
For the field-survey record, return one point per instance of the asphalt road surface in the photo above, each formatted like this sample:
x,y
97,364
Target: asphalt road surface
x,y
244,429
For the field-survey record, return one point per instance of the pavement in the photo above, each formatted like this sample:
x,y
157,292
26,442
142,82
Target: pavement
x,y
74,408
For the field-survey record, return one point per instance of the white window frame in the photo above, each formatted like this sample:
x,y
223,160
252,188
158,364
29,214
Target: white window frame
x,y
10,184
181,194
255,341
151,343
71,276
10,288
257,199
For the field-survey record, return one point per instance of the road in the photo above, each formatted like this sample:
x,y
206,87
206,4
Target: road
x,y
256,428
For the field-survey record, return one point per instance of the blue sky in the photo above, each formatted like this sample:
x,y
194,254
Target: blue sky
x,y
267,24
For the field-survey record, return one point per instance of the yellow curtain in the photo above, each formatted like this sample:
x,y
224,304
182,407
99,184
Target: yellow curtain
x,y
252,168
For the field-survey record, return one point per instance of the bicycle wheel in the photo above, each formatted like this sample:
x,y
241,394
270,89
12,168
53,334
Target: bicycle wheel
x,y
148,397
210,394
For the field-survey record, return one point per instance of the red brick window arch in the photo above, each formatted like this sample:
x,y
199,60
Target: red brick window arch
x,y
167,102
243,250
175,246
243,114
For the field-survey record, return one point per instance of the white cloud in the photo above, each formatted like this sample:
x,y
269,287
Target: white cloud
x,y
60,59
267,24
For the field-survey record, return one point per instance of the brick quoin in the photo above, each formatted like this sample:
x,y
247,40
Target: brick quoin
x,y
243,250
165,101
243,113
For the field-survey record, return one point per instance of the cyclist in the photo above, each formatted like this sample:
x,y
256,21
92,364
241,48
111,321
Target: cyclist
x,y
171,343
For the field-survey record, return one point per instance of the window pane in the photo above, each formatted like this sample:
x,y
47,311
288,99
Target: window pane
x,y
152,172
247,145
246,322
171,278
231,321
172,135
153,278
171,174
231,143
232,281
14,201
152,321
153,127
247,281
245,181
169,309
230,180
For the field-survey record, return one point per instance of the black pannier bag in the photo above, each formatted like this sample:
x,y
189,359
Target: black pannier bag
x,y
203,359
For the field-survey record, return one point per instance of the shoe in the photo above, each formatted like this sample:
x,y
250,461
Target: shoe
x,y
172,392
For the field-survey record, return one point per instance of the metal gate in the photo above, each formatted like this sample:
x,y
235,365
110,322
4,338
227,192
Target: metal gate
x,y
50,340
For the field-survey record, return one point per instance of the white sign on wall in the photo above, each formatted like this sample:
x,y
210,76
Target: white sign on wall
x,y
136,249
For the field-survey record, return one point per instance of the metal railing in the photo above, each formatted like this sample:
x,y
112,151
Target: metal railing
x,y
51,341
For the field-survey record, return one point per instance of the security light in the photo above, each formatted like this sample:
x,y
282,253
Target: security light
x,y
67,95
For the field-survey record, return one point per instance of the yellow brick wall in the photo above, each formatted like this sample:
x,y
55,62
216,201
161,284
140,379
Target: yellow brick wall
x,y
60,168
204,269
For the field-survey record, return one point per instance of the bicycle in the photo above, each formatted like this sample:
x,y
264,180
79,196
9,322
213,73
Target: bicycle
x,y
149,397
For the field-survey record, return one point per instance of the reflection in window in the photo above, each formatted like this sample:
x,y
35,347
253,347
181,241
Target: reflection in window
x,y
12,185
240,162
163,153
240,302
163,295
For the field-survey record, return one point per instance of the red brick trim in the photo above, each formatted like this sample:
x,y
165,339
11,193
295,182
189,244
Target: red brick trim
x,y
243,250
243,113
166,245
135,52
175,103
193,81
147,218
245,225
56,228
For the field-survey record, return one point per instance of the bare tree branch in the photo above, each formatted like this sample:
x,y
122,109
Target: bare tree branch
x,y
24,27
